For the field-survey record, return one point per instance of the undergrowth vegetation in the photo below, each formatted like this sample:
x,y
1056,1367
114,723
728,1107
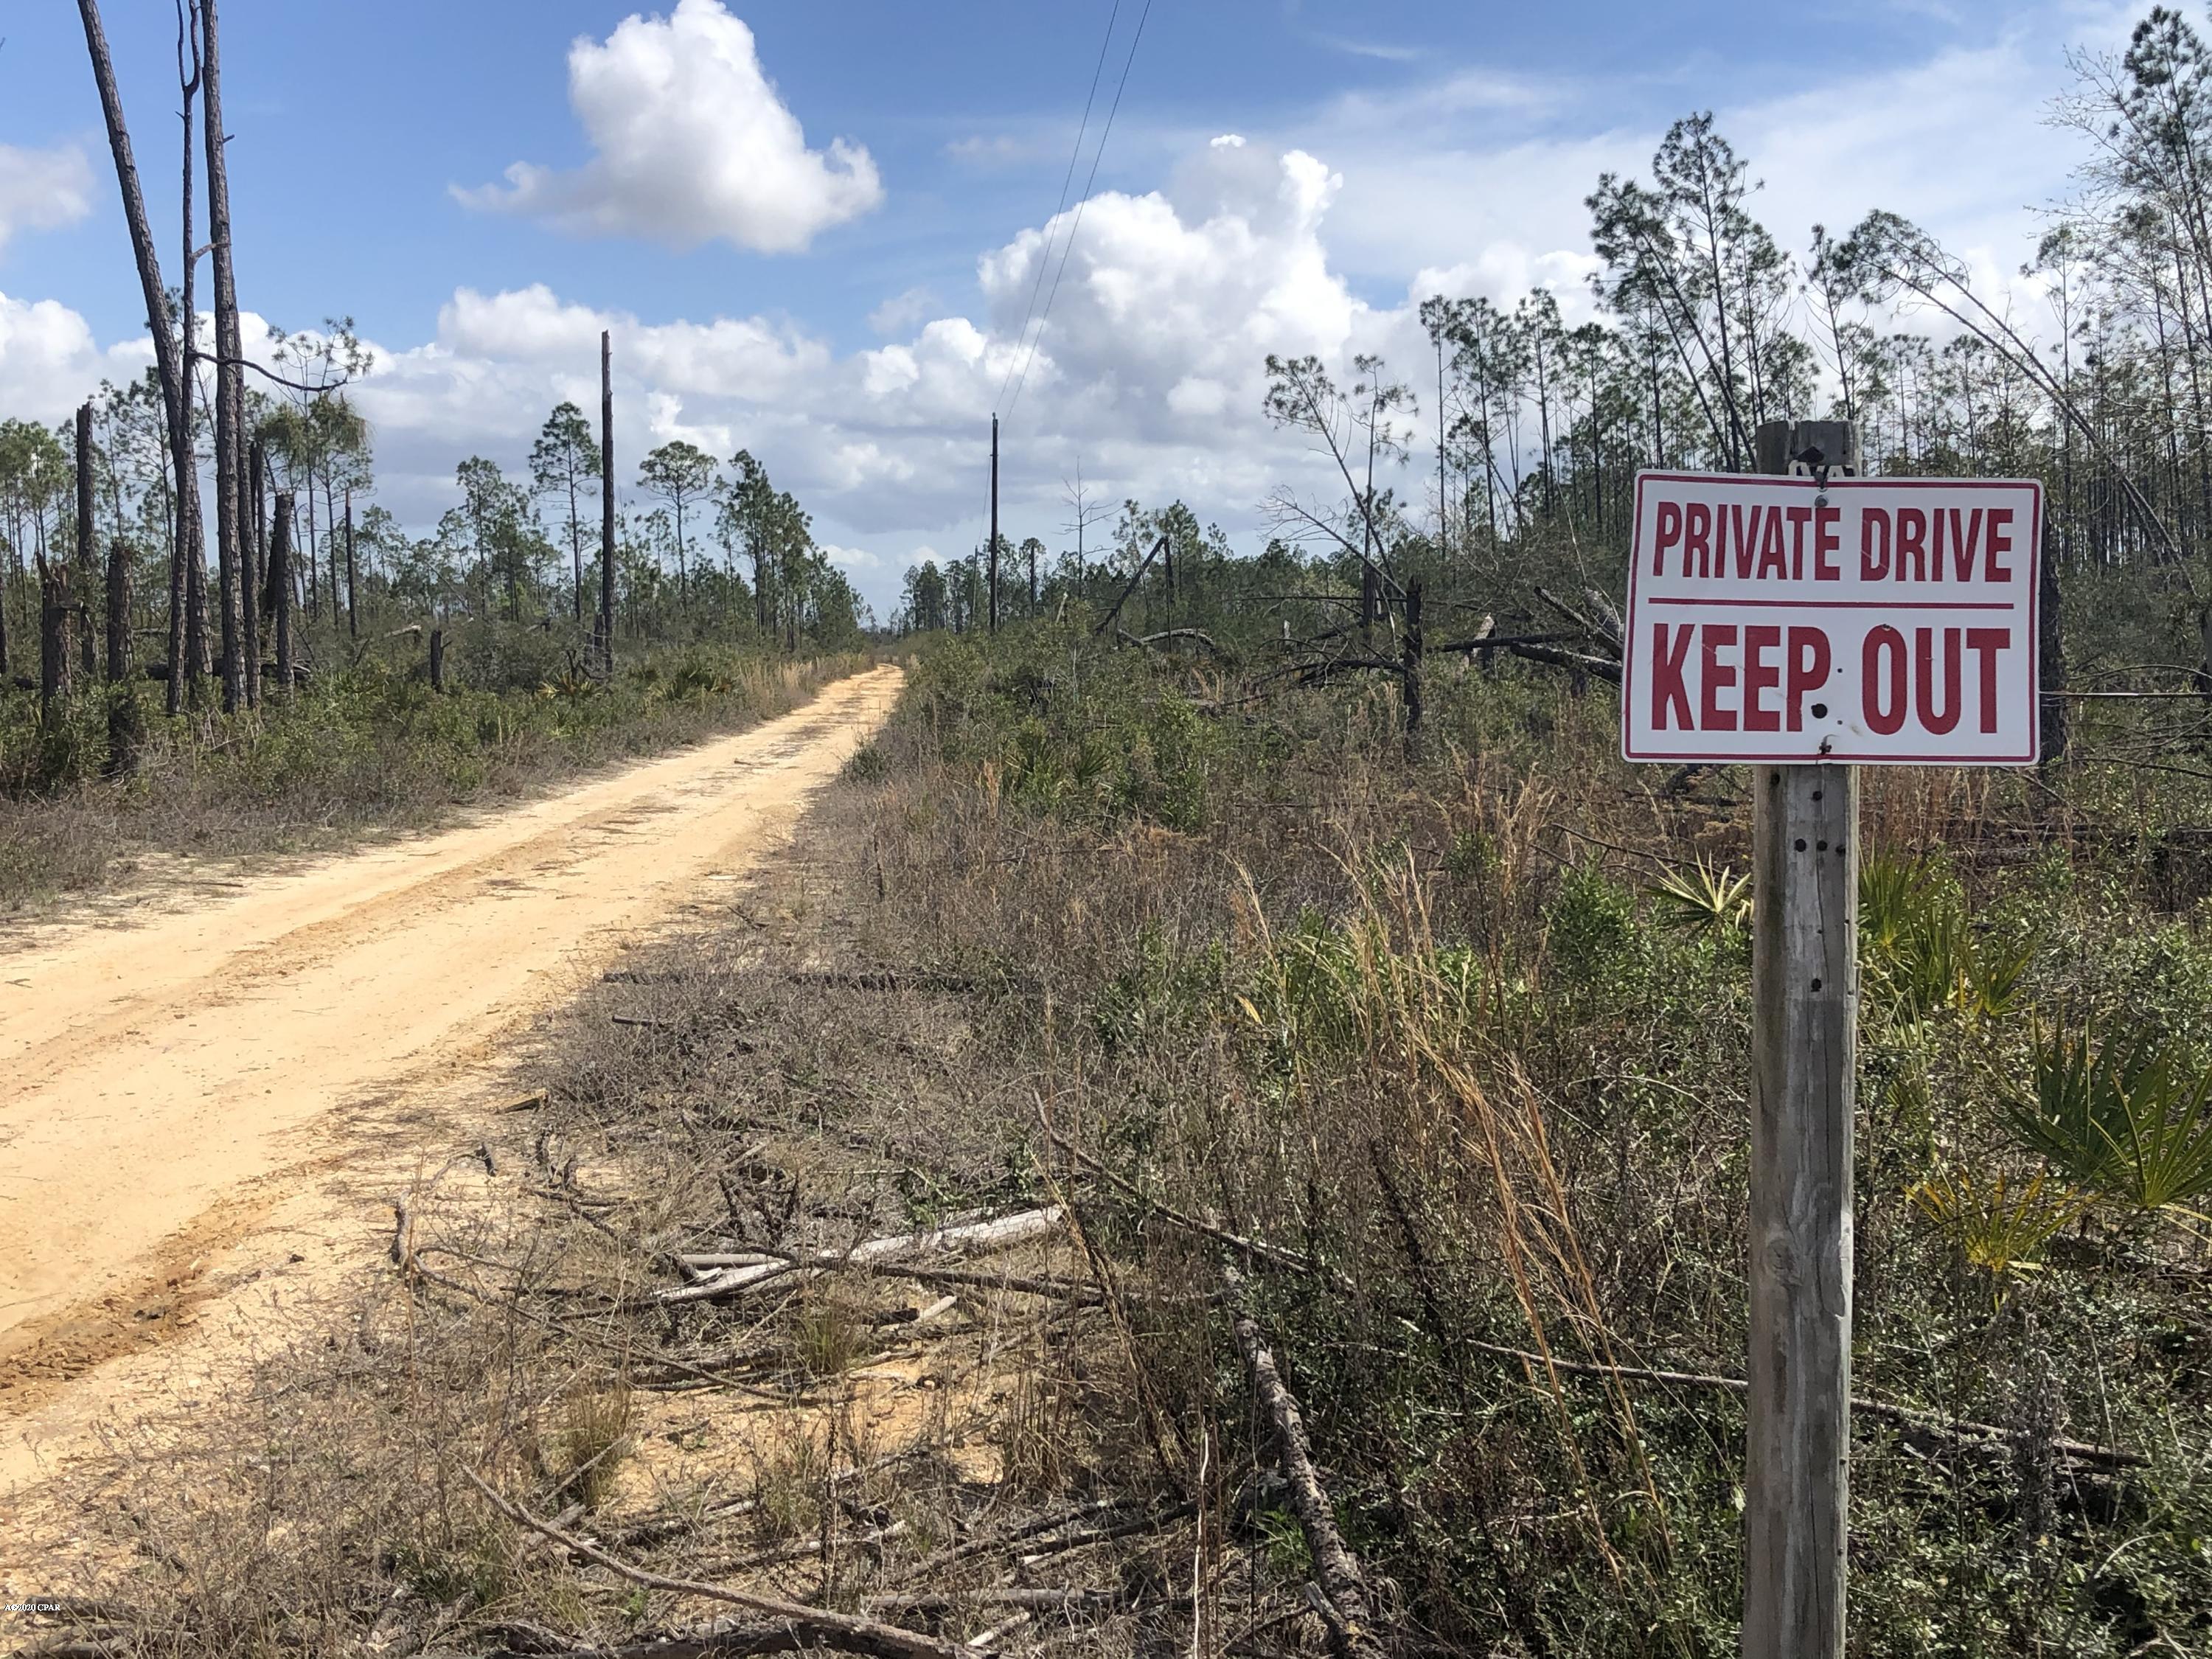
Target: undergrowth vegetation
x,y
370,744
1461,1032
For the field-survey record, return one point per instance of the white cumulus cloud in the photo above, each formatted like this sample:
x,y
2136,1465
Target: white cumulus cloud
x,y
694,144
42,189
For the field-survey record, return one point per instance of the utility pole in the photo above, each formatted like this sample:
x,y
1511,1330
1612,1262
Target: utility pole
x,y
607,502
1804,1034
994,523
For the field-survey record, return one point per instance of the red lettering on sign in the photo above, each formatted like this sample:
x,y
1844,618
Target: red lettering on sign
x,y
1826,541
1759,675
1985,643
1799,518
1668,690
1873,567
1912,542
2000,541
1670,531
1882,670
1747,539
1809,666
1965,542
1716,676
1770,550
1697,537
1924,662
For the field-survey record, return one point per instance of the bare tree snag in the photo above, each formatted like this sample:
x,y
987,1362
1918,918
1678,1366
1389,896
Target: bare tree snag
x,y
237,672
197,653
279,595
353,620
254,551
165,343
55,608
1411,648
607,503
88,567
1344,1589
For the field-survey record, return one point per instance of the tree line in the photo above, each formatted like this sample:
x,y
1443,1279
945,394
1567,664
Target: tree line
x,y
108,516
1500,474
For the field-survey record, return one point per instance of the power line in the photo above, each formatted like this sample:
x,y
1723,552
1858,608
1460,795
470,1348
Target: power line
x,y
1073,155
1105,132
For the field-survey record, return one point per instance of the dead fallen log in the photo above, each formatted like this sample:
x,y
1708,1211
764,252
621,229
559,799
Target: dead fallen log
x,y
973,1238
1602,667
818,1626
1346,1608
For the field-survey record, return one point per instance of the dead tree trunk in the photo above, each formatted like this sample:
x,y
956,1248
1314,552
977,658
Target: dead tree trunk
x,y
607,503
1410,656
230,380
1346,1608
55,608
438,660
254,551
125,724
86,564
197,653
279,589
353,621
174,404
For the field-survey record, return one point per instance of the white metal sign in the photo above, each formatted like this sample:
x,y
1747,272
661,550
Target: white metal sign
x,y
1890,620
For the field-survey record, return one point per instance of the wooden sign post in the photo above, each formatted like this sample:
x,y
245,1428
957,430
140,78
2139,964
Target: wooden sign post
x,y
1802,622
1804,1040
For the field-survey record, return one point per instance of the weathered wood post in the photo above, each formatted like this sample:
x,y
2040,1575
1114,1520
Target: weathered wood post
x,y
1804,1040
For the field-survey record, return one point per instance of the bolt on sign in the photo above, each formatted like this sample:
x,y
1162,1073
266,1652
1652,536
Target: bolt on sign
x,y
1889,621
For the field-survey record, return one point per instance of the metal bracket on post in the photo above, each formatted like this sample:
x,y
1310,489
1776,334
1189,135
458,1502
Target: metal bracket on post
x,y
1804,1036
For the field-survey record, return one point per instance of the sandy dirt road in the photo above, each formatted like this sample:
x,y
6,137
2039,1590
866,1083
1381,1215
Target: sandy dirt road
x,y
159,1082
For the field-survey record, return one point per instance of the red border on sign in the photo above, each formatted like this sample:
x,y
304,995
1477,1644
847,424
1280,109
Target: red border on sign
x,y
1835,757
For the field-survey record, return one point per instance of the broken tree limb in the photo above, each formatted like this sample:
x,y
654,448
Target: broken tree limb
x,y
819,1626
1152,641
974,1237
1343,1586
1111,616
1604,667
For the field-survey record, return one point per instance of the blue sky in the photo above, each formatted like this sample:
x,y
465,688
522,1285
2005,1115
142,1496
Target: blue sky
x,y
847,312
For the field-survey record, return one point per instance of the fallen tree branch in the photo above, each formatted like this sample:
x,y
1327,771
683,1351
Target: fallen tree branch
x,y
1002,1233
1343,1587
817,1626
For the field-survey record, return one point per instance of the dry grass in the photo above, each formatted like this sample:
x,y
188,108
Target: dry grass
x,y
366,751
1421,1036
